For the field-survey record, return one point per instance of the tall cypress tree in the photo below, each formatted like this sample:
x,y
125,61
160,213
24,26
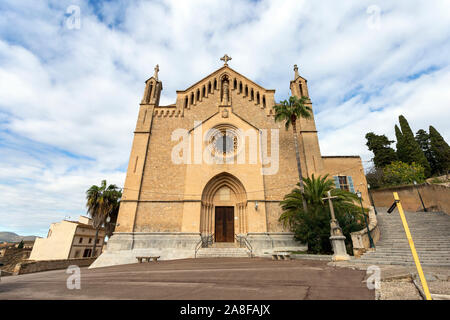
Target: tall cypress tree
x,y
402,154
440,151
380,146
423,139
410,149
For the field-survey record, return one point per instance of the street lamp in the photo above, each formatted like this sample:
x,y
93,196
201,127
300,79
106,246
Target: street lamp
x,y
371,199
423,206
372,245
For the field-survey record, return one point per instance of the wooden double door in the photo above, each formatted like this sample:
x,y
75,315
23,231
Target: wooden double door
x,y
224,224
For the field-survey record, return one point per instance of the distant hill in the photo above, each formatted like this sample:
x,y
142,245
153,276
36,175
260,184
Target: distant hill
x,y
13,237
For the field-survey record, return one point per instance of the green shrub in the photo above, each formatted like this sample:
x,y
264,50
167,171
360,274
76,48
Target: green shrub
x,y
398,173
313,225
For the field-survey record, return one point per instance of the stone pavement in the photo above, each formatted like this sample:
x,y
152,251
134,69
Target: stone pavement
x,y
197,279
397,280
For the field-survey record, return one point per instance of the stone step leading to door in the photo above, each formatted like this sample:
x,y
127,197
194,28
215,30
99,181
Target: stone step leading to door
x,y
214,252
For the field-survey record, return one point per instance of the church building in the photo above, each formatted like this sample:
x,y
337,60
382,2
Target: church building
x,y
207,173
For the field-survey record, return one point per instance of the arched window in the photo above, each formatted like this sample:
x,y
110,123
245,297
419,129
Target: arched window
x,y
215,84
257,97
198,95
235,84
252,96
246,91
204,92
209,87
192,98
150,89
264,101
186,102
301,89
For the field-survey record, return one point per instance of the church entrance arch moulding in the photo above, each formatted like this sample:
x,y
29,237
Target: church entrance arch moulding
x,y
223,190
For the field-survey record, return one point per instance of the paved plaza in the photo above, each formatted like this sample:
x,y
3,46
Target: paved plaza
x,y
197,279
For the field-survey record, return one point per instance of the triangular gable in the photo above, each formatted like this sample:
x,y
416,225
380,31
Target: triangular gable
x,y
215,114
297,78
212,75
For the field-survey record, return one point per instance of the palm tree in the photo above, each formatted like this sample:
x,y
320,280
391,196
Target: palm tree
x,y
102,201
289,112
313,225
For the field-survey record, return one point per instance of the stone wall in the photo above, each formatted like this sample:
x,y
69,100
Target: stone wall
x,y
360,239
435,197
46,265
12,257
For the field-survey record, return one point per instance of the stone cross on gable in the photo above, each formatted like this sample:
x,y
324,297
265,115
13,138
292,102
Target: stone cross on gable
x,y
156,72
225,58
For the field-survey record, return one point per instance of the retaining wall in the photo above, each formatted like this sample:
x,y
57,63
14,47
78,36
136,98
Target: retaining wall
x,y
435,197
46,265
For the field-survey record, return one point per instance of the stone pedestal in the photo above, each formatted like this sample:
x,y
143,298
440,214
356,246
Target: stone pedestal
x,y
338,242
340,252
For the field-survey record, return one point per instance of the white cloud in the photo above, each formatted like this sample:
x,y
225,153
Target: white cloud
x,y
69,98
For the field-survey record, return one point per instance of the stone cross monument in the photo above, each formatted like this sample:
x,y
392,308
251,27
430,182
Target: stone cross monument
x,y
337,236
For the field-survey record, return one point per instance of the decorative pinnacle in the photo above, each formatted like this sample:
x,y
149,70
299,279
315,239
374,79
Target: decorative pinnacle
x,y
296,72
225,58
156,72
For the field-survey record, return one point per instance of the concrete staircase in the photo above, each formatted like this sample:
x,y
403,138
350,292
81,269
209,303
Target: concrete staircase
x,y
431,236
220,250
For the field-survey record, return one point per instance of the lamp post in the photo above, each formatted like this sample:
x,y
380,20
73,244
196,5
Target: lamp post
x,y
423,206
371,199
372,245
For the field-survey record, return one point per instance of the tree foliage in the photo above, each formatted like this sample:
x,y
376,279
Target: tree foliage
x,y
440,151
103,202
423,139
374,177
408,150
380,146
290,111
313,225
398,173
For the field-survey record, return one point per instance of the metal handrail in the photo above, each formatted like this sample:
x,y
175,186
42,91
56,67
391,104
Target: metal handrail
x,y
202,242
210,239
197,247
246,242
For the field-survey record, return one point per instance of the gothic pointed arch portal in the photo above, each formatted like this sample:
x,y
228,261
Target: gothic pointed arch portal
x,y
224,197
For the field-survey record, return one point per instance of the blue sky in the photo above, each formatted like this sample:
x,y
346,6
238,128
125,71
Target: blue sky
x,y
69,97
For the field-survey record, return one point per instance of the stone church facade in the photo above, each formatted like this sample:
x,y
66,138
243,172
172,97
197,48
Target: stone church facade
x,y
212,168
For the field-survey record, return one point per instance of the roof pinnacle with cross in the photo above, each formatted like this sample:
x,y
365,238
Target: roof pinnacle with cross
x,y
225,58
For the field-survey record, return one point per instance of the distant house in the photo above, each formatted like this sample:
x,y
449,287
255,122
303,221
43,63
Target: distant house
x,y
68,240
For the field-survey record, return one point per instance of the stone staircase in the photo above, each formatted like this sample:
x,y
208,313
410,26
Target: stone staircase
x,y
221,250
431,236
